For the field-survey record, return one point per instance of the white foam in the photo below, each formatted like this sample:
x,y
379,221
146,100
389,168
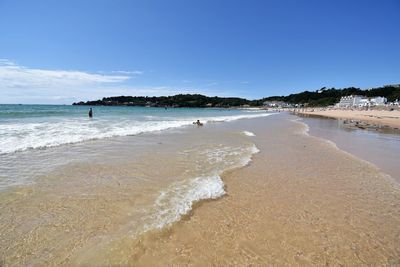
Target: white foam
x,y
19,136
179,198
238,117
247,133
253,150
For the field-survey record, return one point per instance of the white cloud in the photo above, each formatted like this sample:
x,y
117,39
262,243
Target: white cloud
x,y
13,76
6,62
20,84
128,72
51,96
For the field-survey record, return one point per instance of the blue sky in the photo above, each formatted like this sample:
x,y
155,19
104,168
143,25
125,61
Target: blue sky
x,y
65,51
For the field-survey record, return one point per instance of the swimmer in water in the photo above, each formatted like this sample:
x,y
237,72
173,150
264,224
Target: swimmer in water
x,y
198,123
90,113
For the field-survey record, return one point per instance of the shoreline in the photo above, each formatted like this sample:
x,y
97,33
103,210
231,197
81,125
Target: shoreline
x,y
300,201
373,118
280,215
377,145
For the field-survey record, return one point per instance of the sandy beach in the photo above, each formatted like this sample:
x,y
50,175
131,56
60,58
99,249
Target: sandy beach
x,y
300,201
378,117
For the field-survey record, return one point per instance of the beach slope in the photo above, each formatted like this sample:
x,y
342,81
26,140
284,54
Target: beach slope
x,y
301,201
379,117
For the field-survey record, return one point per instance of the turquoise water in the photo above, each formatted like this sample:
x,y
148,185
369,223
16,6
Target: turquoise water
x,y
24,127
68,111
37,139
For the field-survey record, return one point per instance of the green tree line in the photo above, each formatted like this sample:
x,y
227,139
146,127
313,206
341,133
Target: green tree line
x,y
330,96
322,97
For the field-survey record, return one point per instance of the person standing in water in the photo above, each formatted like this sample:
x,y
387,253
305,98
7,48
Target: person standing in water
x,y
90,113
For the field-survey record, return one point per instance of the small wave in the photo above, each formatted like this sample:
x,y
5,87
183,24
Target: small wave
x,y
237,117
179,198
304,130
15,137
247,133
20,137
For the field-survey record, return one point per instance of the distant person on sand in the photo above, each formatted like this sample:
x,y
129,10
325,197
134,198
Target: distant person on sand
x,y
198,123
90,113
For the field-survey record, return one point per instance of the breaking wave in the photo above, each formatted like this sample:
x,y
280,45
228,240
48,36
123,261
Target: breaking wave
x,y
19,136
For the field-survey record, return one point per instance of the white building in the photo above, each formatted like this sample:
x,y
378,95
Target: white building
x,y
277,104
361,101
352,101
378,101
365,102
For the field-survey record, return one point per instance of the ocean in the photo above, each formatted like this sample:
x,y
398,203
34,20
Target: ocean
x,y
24,127
35,139
150,165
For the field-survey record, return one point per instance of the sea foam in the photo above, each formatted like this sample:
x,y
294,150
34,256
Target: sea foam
x,y
247,133
179,198
23,135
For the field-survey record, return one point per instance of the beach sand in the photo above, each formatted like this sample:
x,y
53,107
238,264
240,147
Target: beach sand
x,y
379,117
301,201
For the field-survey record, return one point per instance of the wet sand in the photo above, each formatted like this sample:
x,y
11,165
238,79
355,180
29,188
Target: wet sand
x,y
381,148
301,201
378,117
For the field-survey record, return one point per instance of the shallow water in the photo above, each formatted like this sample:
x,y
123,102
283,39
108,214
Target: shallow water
x,y
28,131
300,202
378,147
82,196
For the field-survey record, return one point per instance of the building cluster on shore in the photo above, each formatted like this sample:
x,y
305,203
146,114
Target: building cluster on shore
x,y
279,104
351,101
363,101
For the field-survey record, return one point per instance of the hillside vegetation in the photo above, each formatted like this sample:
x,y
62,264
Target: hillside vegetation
x,y
331,96
322,97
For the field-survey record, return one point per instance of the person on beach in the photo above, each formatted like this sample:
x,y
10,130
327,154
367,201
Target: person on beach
x,y
198,123
90,113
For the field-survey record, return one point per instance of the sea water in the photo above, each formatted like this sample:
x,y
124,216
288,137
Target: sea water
x,y
381,148
123,172
27,130
35,139
24,127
